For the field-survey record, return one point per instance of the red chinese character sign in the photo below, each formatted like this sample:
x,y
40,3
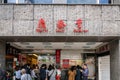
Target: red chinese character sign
x,y
60,26
79,27
41,26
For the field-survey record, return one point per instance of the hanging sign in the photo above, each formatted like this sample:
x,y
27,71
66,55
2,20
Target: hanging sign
x,y
58,56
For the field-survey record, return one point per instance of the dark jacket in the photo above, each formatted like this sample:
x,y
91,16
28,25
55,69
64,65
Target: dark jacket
x,y
43,74
78,75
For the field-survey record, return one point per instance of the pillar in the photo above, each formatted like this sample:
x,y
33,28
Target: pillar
x,y
2,54
115,60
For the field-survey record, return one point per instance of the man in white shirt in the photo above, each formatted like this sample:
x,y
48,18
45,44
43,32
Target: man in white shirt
x,y
25,76
17,73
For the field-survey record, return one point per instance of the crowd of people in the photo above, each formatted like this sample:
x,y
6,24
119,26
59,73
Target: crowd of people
x,y
51,72
78,73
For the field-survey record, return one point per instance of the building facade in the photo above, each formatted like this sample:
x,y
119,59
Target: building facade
x,y
98,22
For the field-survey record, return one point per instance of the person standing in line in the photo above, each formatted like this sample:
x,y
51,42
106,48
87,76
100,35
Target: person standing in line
x,y
72,73
33,74
37,72
49,69
17,73
52,73
85,72
25,76
58,73
78,73
8,75
43,72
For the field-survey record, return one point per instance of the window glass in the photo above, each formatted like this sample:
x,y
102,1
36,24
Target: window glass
x,y
21,1
60,1
11,1
42,1
81,1
14,1
104,1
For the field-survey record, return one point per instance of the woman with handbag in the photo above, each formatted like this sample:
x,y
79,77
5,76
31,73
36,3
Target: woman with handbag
x,y
52,73
58,73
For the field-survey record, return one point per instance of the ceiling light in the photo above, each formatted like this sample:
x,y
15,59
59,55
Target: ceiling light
x,y
48,54
86,46
24,43
29,47
15,45
90,43
69,43
67,47
46,43
47,46
30,54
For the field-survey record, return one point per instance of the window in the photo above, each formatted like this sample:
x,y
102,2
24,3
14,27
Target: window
x,y
15,1
87,1
104,1
81,1
59,1
42,1
11,1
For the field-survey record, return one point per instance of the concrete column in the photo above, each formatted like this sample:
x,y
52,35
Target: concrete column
x,y
0,1
115,60
2,54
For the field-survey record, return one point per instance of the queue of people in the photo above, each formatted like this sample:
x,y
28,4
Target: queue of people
x,y
51,72
35,73
78,73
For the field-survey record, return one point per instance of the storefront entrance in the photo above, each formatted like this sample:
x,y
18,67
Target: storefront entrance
x,y
71,53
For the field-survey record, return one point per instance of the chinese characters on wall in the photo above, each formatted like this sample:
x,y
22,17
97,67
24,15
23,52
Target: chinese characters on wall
x,y
60,26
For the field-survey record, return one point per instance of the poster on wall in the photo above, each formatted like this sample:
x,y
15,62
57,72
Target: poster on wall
x,y
90,61
46,60
65,63
57,56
